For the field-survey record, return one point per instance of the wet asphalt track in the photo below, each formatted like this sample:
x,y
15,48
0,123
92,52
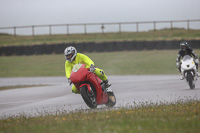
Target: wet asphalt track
x,y
57,97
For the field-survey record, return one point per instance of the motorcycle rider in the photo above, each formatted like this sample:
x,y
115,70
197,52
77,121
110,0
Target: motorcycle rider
x,y
72,58
186,50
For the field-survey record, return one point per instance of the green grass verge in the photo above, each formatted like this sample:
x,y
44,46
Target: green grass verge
x,y
113,63
18,86
173,118
176,34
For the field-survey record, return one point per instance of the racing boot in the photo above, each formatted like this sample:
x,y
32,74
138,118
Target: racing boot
x,y
182,77
198,74
106,83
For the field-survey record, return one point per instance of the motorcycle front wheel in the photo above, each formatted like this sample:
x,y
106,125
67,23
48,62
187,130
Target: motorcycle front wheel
x,y
190,80
111,100
88,97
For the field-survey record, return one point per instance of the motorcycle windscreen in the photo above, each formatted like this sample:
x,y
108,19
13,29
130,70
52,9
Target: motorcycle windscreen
x,y
187,57
79,73
76,67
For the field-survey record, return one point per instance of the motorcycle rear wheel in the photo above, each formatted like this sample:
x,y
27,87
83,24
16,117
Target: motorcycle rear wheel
x,y
190,80
88,97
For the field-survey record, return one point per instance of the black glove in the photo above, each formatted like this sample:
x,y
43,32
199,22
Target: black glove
x,y
177,65
92,68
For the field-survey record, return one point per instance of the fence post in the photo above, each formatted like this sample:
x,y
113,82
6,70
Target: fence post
x,y
154,25
14,31
102,28
137,26
119,27
85,29
49,29
32,30
188,24
67,26
171,25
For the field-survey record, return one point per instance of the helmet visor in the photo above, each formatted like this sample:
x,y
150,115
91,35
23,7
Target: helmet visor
x,y
69,56
183,47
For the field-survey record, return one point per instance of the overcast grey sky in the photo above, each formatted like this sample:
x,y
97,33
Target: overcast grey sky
x,y
36,12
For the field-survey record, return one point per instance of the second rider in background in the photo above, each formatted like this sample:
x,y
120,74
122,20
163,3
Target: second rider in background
x,y
186,50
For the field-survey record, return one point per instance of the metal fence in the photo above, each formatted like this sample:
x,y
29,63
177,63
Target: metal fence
x,y
83,28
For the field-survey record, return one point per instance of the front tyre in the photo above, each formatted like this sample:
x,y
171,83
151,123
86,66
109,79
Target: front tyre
x,y
111,100
88,97
190,80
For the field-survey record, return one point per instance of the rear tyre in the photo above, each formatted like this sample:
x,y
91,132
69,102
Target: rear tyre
x,y
88,97
190,80
111,100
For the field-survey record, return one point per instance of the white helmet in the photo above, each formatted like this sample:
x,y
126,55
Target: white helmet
x,y
70,51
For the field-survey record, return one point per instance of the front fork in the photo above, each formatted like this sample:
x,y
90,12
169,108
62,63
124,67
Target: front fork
x,y
88,87
194,73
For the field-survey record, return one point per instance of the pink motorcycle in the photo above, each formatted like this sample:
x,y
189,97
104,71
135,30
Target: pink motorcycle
x,y
91,88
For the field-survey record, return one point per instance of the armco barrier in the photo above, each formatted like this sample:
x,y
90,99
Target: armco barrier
x,y
95,47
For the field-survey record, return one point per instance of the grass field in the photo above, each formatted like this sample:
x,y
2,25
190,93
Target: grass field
x,y
181,117
113,63
167,34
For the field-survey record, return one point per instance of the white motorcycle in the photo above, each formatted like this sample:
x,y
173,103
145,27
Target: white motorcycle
x,y
189,71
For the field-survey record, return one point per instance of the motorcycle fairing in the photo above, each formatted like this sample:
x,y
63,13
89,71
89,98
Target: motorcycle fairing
x,y
81,77
96,81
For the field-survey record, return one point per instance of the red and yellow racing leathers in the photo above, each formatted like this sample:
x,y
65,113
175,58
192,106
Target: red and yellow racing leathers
x,y
82,59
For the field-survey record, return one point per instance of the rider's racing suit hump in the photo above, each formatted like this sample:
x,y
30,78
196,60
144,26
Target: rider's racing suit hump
x,y
188,51
80,58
